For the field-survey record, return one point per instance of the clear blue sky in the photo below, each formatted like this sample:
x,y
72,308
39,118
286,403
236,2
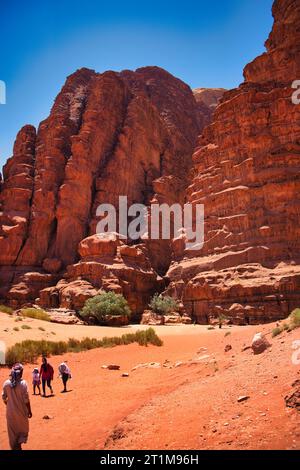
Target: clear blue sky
x,y
205,43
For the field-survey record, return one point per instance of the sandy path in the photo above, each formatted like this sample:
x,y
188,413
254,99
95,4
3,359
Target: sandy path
x,y
84,417
205,414
170,408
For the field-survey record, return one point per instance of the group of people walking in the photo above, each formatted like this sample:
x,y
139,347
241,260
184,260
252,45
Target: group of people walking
x,y
15,395
45,375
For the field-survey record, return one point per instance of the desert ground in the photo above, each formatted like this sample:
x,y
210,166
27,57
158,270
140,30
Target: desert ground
x,y
187,401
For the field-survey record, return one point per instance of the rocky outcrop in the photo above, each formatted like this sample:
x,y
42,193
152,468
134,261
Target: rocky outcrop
x,y
105,265
15,196
246,173
64,316
173,318
108,134
293,399
207,100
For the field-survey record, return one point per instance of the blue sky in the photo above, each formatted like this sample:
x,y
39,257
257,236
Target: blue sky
x,y
205,43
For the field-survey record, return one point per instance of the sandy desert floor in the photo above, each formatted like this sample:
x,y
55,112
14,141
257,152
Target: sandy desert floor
x,y
59,332
192,406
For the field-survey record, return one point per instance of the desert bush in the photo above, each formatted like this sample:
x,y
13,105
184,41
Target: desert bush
x,y
37,313
103,305
5,309
148,337
277,331
285,327
16,328
294,318
29,350
222,319
163,304
293,322
26,327
41,328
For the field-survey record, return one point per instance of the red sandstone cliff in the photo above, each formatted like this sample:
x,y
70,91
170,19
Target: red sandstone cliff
x,y
109,134
246,173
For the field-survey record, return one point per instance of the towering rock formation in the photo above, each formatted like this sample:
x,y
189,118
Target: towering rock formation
x,y
109,134
247,174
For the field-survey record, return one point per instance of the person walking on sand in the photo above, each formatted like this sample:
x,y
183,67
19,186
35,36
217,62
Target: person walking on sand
x,y
18,409
46,374
36,380
65,375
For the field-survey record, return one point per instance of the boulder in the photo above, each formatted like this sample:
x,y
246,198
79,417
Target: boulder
x,y
98,246
151,318
172,318
113,367
259,343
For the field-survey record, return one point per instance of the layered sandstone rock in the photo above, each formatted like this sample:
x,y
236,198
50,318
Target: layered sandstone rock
x,y
105,265
207,100
109,134
246,173
15,196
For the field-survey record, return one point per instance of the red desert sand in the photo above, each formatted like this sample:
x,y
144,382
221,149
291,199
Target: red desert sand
x,y
193,405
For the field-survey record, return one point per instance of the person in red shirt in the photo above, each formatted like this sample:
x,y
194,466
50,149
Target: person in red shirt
x,y
46,374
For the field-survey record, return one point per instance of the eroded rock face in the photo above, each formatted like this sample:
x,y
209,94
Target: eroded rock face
x,y
109,134
113,267
207,100
246,173
15,196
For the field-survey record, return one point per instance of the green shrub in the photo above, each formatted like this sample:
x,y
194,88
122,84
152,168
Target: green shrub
x,y
148,337
285,327
227,333
107,304
26,327
5,309
163,304
277,331
29,350
222,319
37,313
16,328
294,318
18,319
